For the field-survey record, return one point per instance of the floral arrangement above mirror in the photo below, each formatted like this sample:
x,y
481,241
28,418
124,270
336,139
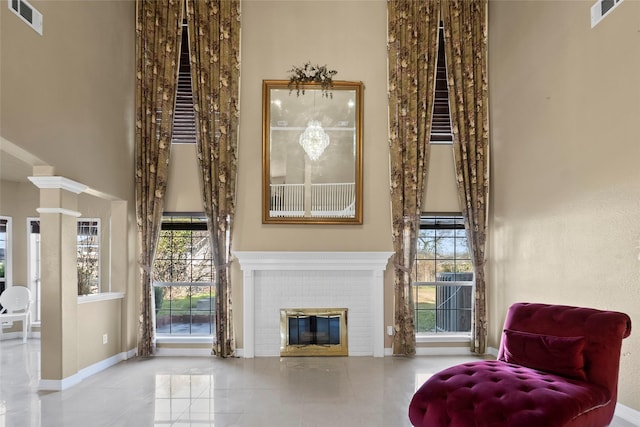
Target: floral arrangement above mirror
x,y
308,73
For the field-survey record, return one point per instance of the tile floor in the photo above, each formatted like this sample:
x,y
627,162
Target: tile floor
x,y
201,391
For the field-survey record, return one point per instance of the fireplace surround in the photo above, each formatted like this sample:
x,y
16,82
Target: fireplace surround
x,y
275,280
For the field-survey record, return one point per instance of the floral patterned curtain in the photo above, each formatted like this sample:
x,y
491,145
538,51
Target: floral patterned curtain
x,y
465,29
214,45
412,45
158,32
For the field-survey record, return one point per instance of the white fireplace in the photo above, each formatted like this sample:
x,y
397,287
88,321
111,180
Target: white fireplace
x,y
276,280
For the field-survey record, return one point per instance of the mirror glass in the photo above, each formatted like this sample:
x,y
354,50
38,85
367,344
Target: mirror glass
x,y
312,153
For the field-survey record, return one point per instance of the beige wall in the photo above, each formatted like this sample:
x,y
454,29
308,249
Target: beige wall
x,y
183,187
67,96
441,193
565,102
96,319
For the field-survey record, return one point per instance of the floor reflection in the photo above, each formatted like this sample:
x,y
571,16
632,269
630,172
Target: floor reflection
x,y
421,378
187,399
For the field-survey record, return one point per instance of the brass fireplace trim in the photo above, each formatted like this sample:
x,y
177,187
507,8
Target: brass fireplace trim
x,y
341,349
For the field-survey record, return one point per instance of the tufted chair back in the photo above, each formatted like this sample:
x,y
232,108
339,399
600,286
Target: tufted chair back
x,y
603,332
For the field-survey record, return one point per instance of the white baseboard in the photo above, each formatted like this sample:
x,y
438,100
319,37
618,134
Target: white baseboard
x,y
65,383
188,352
628,414
187,340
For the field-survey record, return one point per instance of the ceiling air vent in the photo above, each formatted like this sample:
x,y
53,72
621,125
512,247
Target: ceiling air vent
x,y
602,8
27,13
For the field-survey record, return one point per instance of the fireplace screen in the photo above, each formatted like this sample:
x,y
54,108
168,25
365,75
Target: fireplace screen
x,y
313,332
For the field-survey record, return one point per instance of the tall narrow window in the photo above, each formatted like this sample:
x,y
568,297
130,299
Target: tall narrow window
x,y
33,267
88,256
183,277
443,277
441,120
5,248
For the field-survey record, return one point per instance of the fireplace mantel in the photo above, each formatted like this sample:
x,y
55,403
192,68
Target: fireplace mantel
x,y
309,269
313,260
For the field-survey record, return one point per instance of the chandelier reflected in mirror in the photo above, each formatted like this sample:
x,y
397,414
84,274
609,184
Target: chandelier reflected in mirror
x,y
314,140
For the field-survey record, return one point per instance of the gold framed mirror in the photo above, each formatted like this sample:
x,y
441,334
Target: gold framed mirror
x,y
312,153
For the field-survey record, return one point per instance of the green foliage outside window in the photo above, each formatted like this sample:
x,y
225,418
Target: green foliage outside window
x,y
183,276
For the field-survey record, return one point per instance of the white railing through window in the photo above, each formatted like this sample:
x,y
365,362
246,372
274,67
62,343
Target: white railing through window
x,y
325,200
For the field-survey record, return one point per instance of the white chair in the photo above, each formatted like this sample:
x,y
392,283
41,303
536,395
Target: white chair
x,y
16,305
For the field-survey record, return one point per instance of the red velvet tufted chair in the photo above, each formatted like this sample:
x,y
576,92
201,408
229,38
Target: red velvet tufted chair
x,y
557,366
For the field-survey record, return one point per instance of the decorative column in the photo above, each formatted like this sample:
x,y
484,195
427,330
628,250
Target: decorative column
x,y
58,231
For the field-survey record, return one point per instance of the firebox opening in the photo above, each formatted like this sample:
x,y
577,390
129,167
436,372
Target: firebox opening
x,y
313,332
319,330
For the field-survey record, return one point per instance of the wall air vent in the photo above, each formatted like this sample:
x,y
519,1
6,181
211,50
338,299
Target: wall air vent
x,y
602,8
27,13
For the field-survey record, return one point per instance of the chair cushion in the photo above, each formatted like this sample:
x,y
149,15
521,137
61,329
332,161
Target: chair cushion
x,y
493,393
559,355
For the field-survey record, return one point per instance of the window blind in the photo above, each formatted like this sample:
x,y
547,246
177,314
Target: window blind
x,y
441,119
184,120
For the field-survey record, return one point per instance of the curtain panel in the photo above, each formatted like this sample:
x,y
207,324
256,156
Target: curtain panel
x,y
465,29
412,54
158,32
214,46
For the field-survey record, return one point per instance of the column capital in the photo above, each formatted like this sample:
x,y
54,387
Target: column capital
x,y
58,182
62,211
